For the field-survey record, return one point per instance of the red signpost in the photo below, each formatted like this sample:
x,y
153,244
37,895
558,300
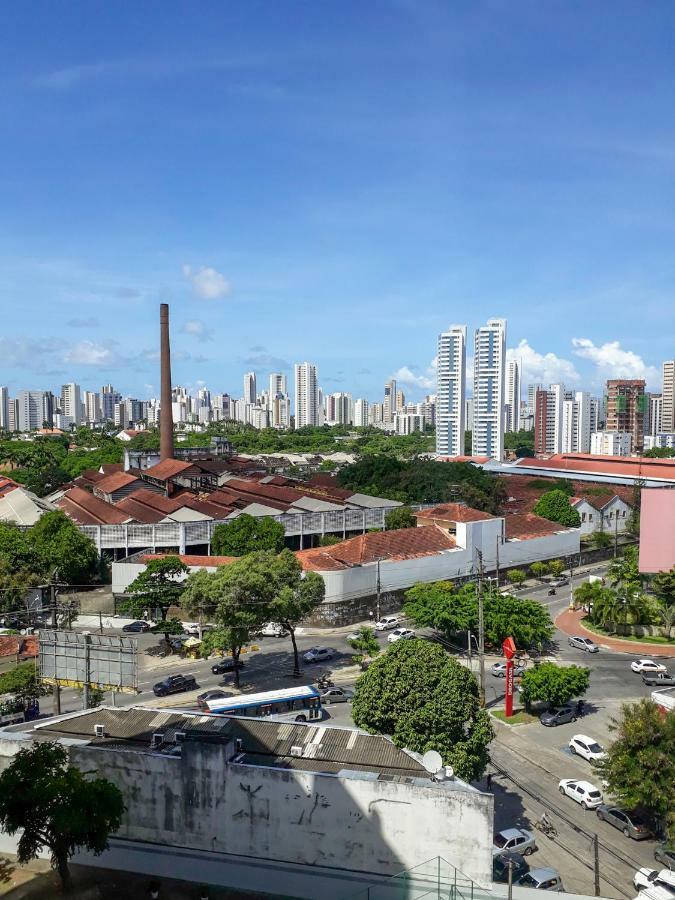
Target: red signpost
x,y
509,649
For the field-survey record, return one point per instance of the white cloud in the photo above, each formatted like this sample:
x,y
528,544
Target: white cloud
x,y
24,352
207,282
407,376
546,368
198,329
87,353
612,361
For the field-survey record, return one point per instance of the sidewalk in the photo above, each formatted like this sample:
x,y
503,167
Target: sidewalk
x,y
569,622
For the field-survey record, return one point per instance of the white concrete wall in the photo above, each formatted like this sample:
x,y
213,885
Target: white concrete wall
x,y
359,823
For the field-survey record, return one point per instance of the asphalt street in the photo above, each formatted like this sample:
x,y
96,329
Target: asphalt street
x,y
527,761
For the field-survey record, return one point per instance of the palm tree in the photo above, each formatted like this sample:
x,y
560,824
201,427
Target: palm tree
x,y
667,616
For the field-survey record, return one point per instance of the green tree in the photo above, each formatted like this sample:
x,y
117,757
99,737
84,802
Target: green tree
x,y
601,539
55,806
667,616
246,534
439,605
590,593
63,549
365,643
623,572
425,700
157,588
516,576
329,540
296,595
539,569
640,763
555,506
556,567
663,585
553,684
24,682
400,517
169,627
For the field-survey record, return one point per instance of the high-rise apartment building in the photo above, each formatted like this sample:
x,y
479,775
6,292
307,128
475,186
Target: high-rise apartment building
x,y
4,409
654,419
92,407
451,391
306,395
512,405
400,401
489,375
389,403
361,413
531,396
71,403
668,395
626,408
548,419
611,443
576,424
31,410
278,384
109,397
250,387
339,409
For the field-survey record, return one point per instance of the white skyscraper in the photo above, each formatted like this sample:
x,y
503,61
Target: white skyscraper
x,y
489,375
576,424
548,419
451,391
339,409
668,397
306,395
278,384
361,413
512,405
250,389
92,407
4,409
71,403
31,410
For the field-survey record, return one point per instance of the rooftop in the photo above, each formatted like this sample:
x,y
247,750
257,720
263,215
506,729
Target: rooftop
x,y
633,467
7,485
86,509
522,526
453,512
115,482
167,469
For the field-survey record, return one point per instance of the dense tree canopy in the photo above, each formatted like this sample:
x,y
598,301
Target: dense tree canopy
x,y
246,534
640,763
555,506
424,481
454,611
553,684
425,700
57,807
158,587
400,517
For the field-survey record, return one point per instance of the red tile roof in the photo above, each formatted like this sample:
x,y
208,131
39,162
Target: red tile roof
x,y
526,525
115,482
86,509
479,460
6,485
523,496
453,512
110,468
167,468
193,560
91,476
405,543
627,467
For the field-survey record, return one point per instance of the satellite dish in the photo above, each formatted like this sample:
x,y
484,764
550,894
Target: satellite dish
x,y
432,761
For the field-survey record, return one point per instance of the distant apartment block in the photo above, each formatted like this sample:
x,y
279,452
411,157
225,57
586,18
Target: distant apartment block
x,y
307,403
512,405
548,419
451,391
626,408
576,424
668,395
611,443
489,373
661,441
4,409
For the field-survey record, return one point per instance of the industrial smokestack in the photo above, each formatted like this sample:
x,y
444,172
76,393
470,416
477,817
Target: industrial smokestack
x,y
166,410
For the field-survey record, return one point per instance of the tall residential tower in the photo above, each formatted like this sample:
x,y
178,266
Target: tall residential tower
x,y
489,371
451,391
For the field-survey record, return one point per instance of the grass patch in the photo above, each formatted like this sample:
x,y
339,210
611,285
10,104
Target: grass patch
x,y
645,639
519,717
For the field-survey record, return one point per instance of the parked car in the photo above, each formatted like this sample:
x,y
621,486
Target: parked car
x,y
632,824
586,747
273,629
647,665
500,867
192,628
175,684
646,878
559,715
226,664
213,694
387,622
558,582
337,695
665,854
658,679
542,880
514,839
498,669
318,654
583,643
399,634
139,627
583,792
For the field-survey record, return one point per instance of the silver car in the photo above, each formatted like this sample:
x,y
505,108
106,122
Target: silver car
x,y
498,669
542,880
583,643
517,839
337,695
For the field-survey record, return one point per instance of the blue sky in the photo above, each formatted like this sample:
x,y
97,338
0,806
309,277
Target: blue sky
x,y
336,182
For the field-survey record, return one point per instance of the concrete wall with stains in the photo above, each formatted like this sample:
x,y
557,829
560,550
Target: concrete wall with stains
x,y
203,800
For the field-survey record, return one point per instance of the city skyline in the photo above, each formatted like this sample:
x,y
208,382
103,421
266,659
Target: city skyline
x,y
281,225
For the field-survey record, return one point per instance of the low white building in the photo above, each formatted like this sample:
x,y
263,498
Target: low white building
x,y
611,443
610,517
660,441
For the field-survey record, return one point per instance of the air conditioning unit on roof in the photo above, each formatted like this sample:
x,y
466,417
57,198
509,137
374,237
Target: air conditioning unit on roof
x,y
296,750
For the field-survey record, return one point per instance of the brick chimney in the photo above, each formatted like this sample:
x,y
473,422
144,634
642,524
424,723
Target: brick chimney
x,y
166,410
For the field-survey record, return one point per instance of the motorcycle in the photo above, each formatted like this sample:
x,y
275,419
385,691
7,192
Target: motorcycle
x,y
546,827
325,681
551,592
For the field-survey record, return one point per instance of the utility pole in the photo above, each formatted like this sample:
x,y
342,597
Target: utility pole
x,y
616,535
468,646
497,562
481,632
378,588
56,688
596,864
571,562
510,888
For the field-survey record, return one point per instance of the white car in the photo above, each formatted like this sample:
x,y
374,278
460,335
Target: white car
x,y
400,634
387,622
649,878
583,792
273,629
647,665
317,654
586,747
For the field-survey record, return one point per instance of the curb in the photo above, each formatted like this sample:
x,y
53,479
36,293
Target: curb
x,y
627,648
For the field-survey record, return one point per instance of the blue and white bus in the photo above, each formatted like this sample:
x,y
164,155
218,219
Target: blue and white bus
x,y
297,704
